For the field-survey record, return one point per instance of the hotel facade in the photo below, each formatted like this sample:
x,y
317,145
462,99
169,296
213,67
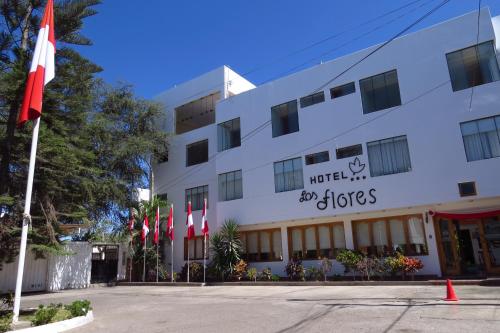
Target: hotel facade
x,y
400,151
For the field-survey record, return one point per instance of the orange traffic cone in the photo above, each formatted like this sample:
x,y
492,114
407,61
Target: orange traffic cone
x,y
450,292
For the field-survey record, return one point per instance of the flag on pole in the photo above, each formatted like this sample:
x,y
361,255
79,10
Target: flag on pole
x,y
131,223
157,226
42,69
189,222
170,223
145,229
204,222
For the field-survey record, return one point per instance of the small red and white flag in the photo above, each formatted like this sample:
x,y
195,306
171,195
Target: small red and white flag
x,y
131,223
157,226
42,69
145,229
189,222
170,223
204,222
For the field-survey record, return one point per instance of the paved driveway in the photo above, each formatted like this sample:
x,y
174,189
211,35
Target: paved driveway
x,y
285,309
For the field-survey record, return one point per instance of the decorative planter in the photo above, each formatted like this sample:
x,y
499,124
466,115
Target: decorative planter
x,y
60,326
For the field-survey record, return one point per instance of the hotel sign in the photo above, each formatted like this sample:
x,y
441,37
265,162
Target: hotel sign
x,y
336,200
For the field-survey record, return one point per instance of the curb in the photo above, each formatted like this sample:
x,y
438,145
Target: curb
x,y
60,326
164,284
487,282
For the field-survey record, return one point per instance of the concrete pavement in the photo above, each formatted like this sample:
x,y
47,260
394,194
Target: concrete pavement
x,y
285,309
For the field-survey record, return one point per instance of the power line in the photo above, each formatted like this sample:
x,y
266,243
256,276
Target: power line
x,y
477,49
257,68
347,131
265,124
291,70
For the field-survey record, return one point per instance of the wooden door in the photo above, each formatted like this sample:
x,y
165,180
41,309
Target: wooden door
x,y
446,238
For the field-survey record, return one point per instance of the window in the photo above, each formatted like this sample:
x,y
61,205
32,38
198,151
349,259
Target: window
x,y
380,92
197,153
324,156
196,196
389,156
481,138
196,114
316,98
288,175
346,89
285,118
230,187
314,242
228,134
196,248
473,66
383,236
467,189
262,245
350,151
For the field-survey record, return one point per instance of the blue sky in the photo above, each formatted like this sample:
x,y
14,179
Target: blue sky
x,y
155,44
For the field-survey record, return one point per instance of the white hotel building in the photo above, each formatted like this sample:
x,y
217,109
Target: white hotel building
x,y
308,166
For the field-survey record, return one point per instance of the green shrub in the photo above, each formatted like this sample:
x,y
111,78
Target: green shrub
x,y
266,274
252,274
275,278
350,260
45,314
5,321
195,272
226,248
7,301
294,270
78,308
314,274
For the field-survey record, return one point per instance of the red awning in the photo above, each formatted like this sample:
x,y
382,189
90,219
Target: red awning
x,y
464,216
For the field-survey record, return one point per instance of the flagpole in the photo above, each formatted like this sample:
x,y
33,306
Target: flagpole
x,y
172,261
144,265
26,221
204,257
188,262
157,246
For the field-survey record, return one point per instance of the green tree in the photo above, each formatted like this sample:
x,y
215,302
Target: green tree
x,y
96,141
226,248
147,208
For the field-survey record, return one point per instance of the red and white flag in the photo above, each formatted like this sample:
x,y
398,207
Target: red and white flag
x,y
145,229
189,222
157,226
170,223
204,222
42,69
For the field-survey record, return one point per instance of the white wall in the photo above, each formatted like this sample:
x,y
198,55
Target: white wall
x,y
429,116
53,273
70,271
34,277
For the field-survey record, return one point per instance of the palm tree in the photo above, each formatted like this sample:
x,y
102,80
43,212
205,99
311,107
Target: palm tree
x,y
226,248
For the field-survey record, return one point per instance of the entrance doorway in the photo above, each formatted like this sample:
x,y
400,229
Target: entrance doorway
x,y
468,247
104,263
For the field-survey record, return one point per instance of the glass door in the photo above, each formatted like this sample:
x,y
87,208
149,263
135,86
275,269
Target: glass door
x,y
491,244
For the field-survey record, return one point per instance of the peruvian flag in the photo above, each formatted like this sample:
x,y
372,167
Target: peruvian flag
x,y
204,222
131,223
145,229
42,69
189,222
157,225
170,223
